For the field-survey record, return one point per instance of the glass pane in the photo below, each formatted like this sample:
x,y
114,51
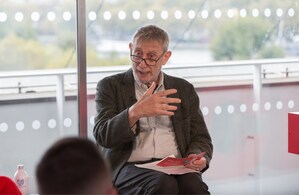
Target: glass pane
x,y
208,31
38,85
241,56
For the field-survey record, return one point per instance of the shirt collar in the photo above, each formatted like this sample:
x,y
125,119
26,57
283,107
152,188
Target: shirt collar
x,y
159,84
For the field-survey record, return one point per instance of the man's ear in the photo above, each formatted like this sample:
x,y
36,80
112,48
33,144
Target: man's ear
x,y
166,57
168,54
131,46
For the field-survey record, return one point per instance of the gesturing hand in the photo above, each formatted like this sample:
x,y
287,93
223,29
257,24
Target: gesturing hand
x,y
153,104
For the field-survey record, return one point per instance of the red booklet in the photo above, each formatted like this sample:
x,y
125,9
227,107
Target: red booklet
x,y
172,161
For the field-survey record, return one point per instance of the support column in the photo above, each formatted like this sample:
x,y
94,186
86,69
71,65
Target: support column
x,y
60,99
81,67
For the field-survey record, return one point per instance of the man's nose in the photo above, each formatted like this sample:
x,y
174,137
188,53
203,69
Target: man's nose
x,y
143,64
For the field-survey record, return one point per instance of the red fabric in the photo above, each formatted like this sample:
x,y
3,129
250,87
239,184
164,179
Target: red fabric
x,y
8,186
293,139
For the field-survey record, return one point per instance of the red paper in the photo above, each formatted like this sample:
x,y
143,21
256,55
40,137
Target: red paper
x,y
171,161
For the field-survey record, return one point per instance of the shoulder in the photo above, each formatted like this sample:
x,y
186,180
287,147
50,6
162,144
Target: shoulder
x,y
177,82
113,78
116,79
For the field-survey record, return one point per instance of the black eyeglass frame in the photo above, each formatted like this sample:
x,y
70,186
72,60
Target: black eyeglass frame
x,y
145,59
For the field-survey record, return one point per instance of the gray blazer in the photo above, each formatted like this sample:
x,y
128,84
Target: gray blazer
x,y
115,94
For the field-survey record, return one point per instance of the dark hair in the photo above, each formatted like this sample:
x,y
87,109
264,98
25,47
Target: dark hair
x,y
152,32
71,166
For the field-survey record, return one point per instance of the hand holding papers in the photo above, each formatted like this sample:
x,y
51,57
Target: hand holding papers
x,y
172,161
171,165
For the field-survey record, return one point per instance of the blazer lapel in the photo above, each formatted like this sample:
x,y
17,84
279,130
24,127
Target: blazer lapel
x,y
128,89
176,119
169,83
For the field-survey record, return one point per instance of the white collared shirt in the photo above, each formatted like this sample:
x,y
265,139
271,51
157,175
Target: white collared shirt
x,y
156,138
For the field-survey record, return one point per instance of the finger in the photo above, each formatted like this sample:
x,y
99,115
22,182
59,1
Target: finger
x,y
192,155
200,162
203,160
151,89
193,167
167,92
167,100
169,107
167,113
198,166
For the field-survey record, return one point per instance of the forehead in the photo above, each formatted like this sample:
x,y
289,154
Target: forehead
x,y
148,45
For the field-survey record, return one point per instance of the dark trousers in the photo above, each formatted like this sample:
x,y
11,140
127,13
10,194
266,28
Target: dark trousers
x,y
135,180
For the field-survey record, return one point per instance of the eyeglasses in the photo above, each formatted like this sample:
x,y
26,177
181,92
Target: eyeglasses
x,y
148,61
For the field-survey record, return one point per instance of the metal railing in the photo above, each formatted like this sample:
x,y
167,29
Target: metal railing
x,y
248,72
251,72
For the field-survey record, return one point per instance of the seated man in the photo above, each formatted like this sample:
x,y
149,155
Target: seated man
x,y
73,166
144,115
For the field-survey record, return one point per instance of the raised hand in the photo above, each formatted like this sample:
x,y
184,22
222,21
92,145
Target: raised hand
x,y
153,104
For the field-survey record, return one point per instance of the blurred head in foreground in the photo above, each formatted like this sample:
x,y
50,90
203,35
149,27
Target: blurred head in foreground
x,y
73,165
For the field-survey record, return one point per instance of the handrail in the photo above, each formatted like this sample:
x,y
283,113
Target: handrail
x,y
257,74
112,69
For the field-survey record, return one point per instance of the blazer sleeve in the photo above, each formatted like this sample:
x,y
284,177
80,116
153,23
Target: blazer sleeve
x,y
192,134
200,139
111,127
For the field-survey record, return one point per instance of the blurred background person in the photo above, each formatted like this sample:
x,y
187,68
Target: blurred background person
x,y
73,165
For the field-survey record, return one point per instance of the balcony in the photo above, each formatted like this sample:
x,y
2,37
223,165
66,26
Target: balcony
x,y
245,105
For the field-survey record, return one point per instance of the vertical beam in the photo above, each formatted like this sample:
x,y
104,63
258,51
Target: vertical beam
x,y
60,101
81,67
257,82
257,87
